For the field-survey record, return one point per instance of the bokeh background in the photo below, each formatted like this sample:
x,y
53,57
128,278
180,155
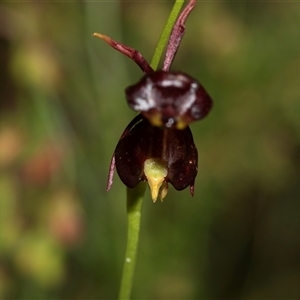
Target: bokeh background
x,y
62,111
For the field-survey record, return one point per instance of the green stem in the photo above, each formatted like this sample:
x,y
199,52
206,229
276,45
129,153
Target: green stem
x,y
134,206
135,196
163,40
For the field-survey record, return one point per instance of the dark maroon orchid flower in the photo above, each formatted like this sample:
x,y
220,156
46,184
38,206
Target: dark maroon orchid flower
x,y
157,146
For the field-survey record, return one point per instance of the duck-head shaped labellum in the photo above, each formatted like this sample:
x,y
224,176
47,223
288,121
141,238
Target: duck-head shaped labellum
x,y
169,99
158,155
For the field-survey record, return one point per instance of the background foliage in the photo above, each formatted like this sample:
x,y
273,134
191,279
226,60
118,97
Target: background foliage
x,y
62,110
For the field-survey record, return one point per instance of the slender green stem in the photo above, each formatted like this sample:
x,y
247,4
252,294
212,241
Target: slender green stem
x,y
163,40
135,195
134,206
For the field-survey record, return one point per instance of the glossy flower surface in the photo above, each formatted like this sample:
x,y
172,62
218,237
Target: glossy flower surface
x,y
170,99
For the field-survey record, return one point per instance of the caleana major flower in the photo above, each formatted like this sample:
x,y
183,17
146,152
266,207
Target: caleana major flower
x,y
157,146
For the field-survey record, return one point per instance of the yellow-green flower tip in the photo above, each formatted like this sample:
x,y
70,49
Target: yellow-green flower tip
x,y
156,171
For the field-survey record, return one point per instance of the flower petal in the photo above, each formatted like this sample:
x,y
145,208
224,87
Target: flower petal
x,y
183,158
131,152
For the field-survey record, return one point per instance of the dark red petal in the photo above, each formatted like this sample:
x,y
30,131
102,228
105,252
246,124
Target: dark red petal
x,y
112,166
131,151
183,159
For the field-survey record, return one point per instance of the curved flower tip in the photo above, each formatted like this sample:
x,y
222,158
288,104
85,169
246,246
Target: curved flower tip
x,y
156,171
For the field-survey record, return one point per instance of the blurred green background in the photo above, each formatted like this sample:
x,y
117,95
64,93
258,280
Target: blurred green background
x,y
62,111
